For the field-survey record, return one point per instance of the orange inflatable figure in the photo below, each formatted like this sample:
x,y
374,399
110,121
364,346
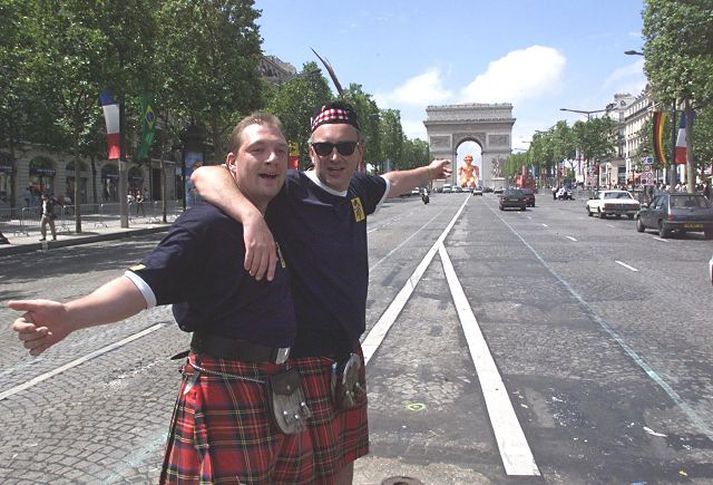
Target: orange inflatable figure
x,y
468,174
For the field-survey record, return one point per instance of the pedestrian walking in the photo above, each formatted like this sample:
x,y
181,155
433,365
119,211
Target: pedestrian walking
x,y
48,205
320,216
27,195
240,413
140,203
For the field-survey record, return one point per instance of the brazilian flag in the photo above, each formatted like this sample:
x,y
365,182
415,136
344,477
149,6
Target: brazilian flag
x,y
148,126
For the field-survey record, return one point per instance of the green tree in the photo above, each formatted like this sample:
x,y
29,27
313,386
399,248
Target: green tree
x,y
212,50
16,41
368,114
391,137
678,61
294,102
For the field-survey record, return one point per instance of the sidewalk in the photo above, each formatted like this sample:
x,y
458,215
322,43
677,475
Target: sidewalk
x,y
25,240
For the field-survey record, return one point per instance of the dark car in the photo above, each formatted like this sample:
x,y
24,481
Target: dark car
x,y
677,212
529,196
512,198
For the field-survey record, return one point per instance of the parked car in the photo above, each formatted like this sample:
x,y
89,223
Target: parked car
x,y
487,190
529,196
564,193
512,198
447,189
613,203
458,189
677,212
477,190
498,190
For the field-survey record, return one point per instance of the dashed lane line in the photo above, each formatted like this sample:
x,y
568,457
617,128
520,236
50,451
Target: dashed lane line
x,y
626,266
661,239
606,326
43,377
571,238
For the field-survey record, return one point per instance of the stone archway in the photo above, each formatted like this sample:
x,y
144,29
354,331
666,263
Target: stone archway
x,y
489,125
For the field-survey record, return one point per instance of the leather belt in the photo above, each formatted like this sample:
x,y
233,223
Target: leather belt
x,y
230,348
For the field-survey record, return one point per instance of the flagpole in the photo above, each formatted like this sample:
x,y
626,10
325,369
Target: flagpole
x,y
674,132
690,171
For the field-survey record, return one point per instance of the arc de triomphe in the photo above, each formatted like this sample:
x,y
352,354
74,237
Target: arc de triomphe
x,y
488,125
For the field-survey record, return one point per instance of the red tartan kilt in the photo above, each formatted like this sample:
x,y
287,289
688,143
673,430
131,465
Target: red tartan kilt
x,y
221,431
338,437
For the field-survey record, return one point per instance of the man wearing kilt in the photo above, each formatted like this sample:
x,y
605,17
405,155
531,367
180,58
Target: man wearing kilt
x,y
319,217
222,429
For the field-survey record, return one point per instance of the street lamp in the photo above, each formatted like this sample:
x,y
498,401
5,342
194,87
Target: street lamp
x,y
673,127
584,112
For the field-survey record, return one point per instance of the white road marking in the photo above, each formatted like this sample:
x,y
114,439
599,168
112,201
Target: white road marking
x,y
404,242
514,450
571,238
626,266
378,332
661,239
610,225
43,377
529,217
544,224
648,370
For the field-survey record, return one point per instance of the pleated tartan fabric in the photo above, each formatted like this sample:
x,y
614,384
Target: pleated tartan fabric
x,y
221,430
338,437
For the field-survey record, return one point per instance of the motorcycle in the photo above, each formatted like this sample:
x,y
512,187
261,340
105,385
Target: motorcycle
x,y
425,198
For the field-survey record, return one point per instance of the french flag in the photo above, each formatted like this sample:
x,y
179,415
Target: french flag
x,y
111,116
681,147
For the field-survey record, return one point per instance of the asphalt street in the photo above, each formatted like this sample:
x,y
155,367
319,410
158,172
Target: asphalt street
x,y
600,339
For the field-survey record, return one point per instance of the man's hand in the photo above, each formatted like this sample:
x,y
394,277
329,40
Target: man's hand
x,y
44,323
440,169
260,249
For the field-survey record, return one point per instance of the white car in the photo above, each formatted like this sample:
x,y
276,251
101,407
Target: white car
x,y
613,203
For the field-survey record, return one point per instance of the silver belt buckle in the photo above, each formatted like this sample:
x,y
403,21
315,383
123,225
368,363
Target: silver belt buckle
x,y
282,354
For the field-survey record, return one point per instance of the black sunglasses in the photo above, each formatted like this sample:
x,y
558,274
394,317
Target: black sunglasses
x,y
325,148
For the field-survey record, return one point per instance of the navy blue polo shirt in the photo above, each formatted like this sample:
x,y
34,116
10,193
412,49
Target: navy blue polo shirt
x,y
198,267
324,241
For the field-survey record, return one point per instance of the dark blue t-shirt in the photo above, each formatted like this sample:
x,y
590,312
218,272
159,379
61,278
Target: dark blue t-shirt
x,y
198,267
324,240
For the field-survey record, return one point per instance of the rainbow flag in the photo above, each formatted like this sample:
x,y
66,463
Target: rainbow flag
x,y
659,121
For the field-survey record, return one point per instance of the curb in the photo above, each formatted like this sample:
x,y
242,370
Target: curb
x,y
6,250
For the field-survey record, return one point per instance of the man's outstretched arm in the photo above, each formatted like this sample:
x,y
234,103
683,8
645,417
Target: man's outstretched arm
x,y
217,187
46,322
402,181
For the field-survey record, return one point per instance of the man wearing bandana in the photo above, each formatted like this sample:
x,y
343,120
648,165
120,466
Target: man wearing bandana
x,y
320,217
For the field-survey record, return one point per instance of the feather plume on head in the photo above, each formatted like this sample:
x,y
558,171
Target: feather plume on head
x,y
332,75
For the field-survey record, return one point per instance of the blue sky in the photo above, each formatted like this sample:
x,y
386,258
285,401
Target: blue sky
x,y
538,55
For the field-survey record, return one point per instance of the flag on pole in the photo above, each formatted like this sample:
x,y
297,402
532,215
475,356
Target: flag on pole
x,y
659,120
681,147
148,126
111,117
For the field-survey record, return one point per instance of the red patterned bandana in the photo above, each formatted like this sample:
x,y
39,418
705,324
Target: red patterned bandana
x,y
332,114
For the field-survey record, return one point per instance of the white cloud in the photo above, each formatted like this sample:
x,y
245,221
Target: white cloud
x,y
413,128
521,74
421,90
624,79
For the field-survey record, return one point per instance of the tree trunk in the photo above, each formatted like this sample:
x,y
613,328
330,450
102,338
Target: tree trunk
x,y
77,191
